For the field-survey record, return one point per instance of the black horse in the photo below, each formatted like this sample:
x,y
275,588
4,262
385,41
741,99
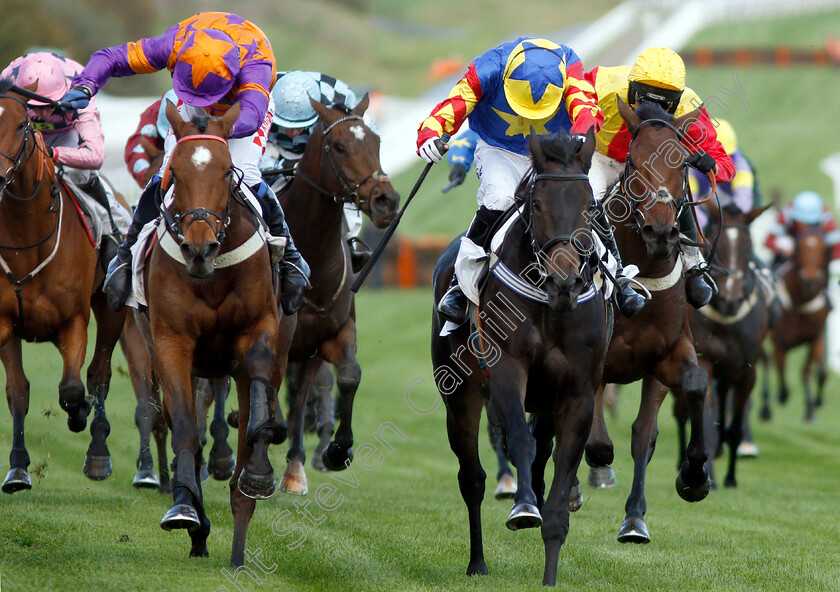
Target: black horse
x,y
538,347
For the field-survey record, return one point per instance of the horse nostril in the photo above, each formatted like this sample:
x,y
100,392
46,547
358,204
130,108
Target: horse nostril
x,y
673,234
209,251
648,233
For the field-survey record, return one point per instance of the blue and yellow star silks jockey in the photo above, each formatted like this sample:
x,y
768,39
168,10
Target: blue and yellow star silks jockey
x,y
249,60
503,99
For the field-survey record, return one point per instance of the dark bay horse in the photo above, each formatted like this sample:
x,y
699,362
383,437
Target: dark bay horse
x,y
656,345
340,164
212,311
728,333
50,287
541,353
802,285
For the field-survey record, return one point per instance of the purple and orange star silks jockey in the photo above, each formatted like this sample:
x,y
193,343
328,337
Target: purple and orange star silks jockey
x,y
255,65
480,95
613,139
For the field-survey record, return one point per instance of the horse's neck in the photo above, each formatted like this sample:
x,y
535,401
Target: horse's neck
x,y
32,207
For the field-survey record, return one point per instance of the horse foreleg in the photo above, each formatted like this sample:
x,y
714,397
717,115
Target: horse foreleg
x,y
325,413
72,345
572,420
109,326
645,431
341,352
241,506
17,396
599,447
765,413
221,460
816,353
542,428
780,356
463,415
740,396
203,399
294,477
505,483
507,393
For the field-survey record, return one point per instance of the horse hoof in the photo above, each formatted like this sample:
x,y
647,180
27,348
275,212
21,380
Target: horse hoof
x,y
765,414
146,480
523,515
336,457
233,419
77,420
318,463
730,482
180,516
97,468
294,479
222,468
601,477
477,568
16,480
633,530
506,488
693,494
258,487
575,498
203,473
747,450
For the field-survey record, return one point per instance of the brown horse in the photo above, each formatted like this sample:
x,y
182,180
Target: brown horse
x,y
52,278
728,334
656,345
340,164
212,311
539,347
802,284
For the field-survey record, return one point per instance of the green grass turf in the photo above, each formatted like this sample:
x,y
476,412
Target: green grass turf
x,y
404,526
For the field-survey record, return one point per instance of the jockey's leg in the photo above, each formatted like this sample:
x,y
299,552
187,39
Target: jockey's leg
x,y
453,305
117,285
110,240
359,251
698,290
603,175
628,300
294,270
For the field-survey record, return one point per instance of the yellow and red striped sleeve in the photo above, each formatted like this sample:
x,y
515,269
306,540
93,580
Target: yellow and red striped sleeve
x,y
581,101
448,115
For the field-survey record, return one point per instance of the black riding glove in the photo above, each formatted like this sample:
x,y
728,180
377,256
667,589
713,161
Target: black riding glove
x,y
457,174
701,161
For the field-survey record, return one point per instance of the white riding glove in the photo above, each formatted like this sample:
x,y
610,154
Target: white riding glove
x,y
430,152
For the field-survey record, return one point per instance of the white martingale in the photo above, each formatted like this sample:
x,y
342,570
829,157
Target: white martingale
x,y
1,110
201,157
359,132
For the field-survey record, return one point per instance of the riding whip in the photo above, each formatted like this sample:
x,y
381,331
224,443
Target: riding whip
x,y
389,232
36,97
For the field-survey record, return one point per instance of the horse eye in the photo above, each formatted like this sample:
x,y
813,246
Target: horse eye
x,y
339,148
537,207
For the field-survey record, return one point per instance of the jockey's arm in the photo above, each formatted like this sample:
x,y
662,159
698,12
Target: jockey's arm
x,y
89,154
701,135
449,115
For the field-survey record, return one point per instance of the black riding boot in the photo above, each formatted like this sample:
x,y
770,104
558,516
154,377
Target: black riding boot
x,y
110,241
359,253
117,284
453,305
698,291
294,271
628,300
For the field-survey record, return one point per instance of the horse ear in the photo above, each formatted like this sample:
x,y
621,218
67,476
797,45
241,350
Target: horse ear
x,y
362,106
229,119
320,109
756,212
536,150
628,115
683,122
175,120
587,149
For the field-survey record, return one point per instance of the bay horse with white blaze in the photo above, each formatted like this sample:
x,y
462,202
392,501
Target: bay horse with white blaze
x,y
50,286
340,164
538,348
655,345
212,312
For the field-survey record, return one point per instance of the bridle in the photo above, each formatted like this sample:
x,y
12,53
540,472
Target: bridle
x,y
541,251
659,196
30,138
350,190
179,222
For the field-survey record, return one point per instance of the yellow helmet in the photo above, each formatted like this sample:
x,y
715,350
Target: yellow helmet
x,y
659,67
726,136
534,79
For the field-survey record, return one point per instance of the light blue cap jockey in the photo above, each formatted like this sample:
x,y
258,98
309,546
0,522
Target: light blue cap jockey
x,y
807,208
163,123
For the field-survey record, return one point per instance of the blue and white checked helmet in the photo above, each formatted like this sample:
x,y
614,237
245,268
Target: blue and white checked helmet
x,y
291,94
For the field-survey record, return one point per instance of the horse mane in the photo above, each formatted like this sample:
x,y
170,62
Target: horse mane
x,y
201,121
558,147
649,110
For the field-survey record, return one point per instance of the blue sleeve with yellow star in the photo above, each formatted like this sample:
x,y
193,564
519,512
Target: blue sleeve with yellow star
x,y
462,149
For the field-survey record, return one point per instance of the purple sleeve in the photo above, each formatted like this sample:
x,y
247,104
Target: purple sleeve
x,y
254,82
140,57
